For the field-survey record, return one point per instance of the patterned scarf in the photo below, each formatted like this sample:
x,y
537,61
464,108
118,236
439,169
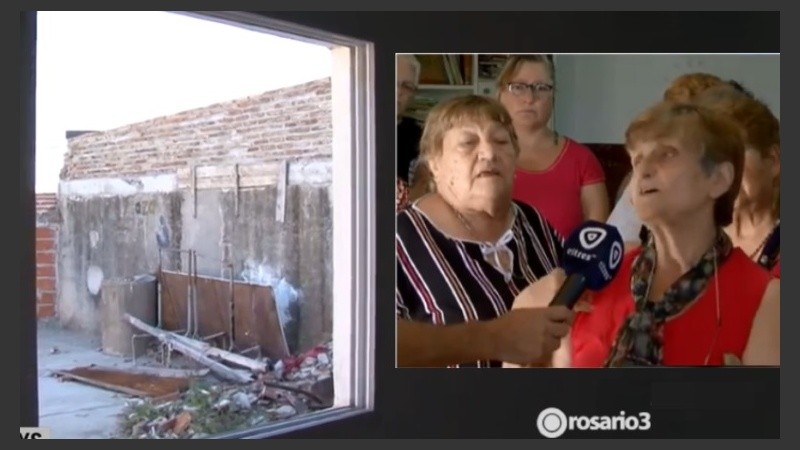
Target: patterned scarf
x,y
640,339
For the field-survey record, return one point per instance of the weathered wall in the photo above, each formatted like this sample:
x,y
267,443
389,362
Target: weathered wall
x,y
264,251
182,173
106,237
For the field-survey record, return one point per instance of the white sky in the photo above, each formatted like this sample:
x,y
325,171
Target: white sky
x,y
102,70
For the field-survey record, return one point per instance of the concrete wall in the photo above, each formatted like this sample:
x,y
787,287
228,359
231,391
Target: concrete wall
x,y
233,205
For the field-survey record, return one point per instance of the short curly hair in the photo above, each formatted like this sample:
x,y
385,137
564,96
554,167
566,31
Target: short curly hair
x,y
687,86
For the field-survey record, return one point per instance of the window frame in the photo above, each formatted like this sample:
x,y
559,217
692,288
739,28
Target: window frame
x,y
353,198
353,212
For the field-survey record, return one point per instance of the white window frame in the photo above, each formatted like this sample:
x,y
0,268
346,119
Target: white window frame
x,y
353,213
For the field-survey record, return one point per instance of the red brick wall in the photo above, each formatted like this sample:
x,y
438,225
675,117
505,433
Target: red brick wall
x,y
46,233
293,122
45,271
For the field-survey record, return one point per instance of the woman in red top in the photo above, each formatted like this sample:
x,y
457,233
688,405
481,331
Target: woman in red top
x,y
756,218
559,177
688,297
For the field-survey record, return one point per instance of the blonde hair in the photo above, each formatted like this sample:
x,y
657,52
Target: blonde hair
x,y
515,61
459,110
714,134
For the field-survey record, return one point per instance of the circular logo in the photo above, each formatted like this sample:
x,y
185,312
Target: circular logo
x,y
552,422
615,255
591,237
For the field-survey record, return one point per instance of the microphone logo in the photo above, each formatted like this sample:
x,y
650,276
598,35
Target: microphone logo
x,y
615,256
591,237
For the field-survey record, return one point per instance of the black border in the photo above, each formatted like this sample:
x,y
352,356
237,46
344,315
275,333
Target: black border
x,y
29,387
692,403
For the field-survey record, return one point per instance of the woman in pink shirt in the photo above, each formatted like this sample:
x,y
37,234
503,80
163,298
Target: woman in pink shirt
x,y
559,177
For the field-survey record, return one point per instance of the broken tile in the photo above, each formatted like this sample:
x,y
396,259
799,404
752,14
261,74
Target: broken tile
x,y
182,422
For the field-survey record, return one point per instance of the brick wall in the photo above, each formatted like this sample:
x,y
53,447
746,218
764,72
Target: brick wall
x,y
46,234
289,123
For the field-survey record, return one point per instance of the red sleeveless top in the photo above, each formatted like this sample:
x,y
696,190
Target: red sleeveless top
x,y
689,336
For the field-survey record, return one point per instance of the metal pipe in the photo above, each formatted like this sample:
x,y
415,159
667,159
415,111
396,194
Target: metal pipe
x,y
161,252
189,296
196,329
158,293
231,341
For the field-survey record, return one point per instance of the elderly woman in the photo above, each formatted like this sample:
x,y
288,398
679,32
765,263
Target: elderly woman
x,y
466,251
756,218
683,88
688,297
555,174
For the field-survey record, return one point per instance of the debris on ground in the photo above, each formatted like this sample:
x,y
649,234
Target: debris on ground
x,y
205,354
287,388
137,381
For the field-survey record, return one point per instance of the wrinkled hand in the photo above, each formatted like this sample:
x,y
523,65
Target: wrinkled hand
x,y
531,335
540,293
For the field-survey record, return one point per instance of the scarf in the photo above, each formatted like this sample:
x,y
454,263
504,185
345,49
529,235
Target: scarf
x,y
640,339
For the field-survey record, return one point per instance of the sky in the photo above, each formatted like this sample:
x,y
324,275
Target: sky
x,y
102,70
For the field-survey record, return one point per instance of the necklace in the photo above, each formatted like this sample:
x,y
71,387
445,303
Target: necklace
x,y
491,251
763,243
463,220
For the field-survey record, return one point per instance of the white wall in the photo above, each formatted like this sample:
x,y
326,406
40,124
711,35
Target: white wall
x,y
597,95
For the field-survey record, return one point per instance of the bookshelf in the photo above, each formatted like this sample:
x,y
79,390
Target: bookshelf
x,y
448,75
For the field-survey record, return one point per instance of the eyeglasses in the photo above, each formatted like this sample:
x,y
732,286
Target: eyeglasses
x,y
537,89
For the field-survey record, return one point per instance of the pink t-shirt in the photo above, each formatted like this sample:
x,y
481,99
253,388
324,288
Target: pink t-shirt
x,y
556,191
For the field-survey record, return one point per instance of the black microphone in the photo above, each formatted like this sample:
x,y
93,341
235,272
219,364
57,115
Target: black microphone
x,y
592,257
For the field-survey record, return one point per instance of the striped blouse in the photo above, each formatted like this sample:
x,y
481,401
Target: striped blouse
x,y
443,280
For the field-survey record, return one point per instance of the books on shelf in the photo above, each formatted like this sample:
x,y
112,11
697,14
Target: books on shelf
x,y
490,66
446,69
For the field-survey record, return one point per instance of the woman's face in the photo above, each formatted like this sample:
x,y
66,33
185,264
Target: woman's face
x,y
759,178
529,108
669,183
475,168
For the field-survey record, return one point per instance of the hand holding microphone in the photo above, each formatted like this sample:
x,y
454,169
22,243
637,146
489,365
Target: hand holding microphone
x,y
592,258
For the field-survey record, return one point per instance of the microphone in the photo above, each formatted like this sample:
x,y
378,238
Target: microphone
x,y
592,257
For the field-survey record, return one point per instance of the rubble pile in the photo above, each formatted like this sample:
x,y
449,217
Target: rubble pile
x,y
291,387
313,364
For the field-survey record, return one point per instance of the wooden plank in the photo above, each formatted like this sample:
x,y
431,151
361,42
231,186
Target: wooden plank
x,y
101,384
218,353
132,381
257,322
248,176
190,351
